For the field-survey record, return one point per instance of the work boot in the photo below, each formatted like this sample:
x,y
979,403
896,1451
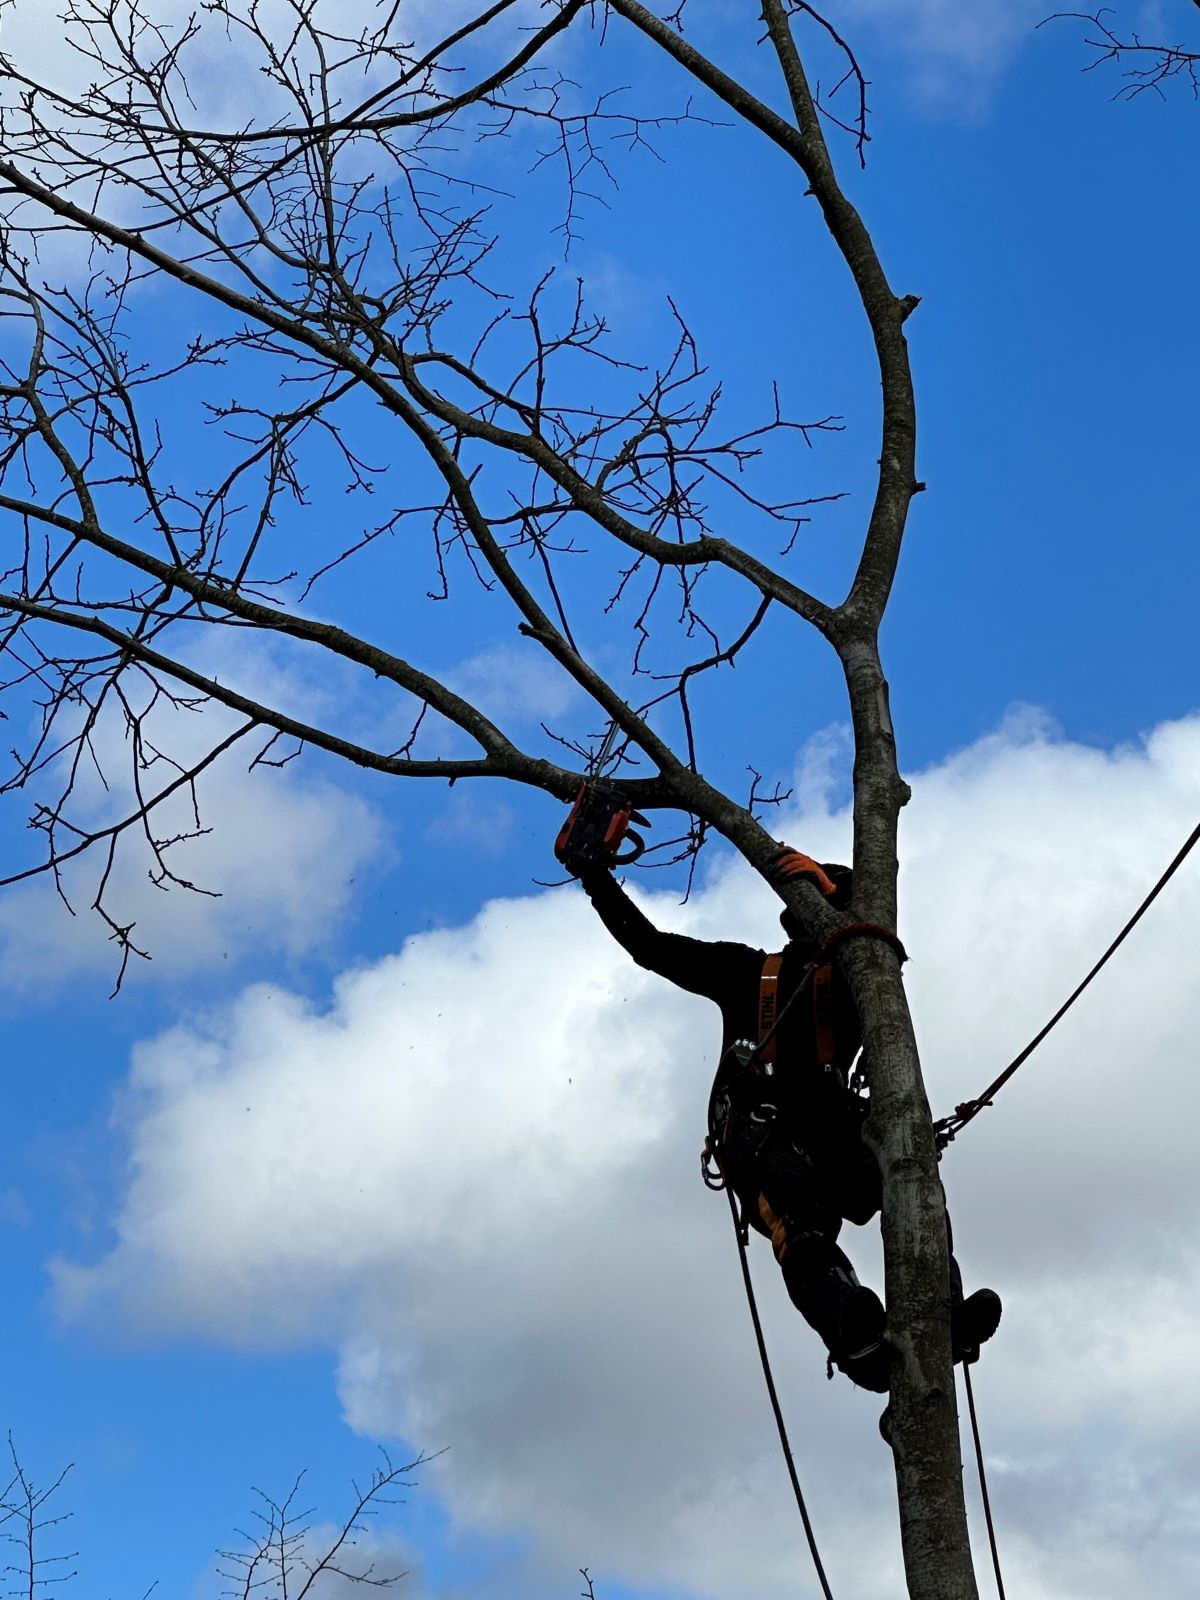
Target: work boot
x,y
973,1321
863,1353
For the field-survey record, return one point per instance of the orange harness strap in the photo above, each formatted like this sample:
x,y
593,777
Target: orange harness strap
x,y
768,1010
768,1007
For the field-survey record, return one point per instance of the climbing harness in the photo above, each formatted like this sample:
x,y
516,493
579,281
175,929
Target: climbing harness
x,y
768,1008
947,1128
598,823
768,999
746,1057
983,1488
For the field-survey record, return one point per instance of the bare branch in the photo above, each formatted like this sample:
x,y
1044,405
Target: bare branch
x,y
1148,67
804,142
287,1556
505,761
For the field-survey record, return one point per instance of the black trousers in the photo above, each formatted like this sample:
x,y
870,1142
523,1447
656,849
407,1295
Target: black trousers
x,y
798,1196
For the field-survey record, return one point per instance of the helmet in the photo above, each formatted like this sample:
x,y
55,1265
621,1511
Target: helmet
x,y
842,879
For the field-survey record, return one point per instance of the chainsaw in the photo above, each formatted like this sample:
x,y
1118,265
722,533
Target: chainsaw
x,y
599,821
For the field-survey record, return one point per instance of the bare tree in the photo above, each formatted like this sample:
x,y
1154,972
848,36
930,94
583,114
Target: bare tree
x,y
333,256
286,1554
26,1520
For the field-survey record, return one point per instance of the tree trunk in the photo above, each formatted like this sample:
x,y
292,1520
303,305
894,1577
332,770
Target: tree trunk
x,y
921,1422
922,1416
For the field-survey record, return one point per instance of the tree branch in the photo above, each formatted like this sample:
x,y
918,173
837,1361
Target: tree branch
x,y
504,761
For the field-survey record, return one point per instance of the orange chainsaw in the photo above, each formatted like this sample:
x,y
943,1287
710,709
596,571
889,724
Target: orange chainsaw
x,y
599,821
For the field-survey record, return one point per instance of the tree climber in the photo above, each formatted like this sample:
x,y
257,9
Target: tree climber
x,y
785,1125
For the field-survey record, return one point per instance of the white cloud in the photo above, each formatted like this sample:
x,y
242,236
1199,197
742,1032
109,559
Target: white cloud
x,y
224,59
475,1173
955,49
514,683
277,862
223,62
221,71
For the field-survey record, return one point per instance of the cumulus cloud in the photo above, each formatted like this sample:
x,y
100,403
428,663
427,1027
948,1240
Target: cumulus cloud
x,y
474,1173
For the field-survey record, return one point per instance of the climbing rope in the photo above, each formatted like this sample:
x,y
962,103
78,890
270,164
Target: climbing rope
x,y
983,1488
945,1129
717,1180
948,1127
774,1397
965,1112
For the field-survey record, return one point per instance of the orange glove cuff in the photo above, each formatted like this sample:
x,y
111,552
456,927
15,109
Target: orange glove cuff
x,y
795,864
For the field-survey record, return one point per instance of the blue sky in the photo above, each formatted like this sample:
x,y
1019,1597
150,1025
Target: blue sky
x,y
191,1312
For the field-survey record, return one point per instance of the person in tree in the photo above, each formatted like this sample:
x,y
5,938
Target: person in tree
x,y
785,1114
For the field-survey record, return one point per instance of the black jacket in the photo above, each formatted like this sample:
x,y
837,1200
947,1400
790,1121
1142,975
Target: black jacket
x,y
729,974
